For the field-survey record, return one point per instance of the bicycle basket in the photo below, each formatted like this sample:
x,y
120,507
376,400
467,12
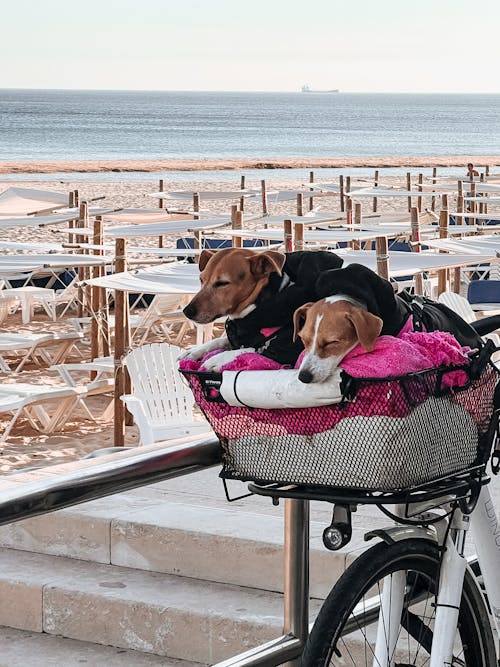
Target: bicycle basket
x,y
386,435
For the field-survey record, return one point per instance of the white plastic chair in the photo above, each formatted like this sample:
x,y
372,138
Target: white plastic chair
x,y
161,402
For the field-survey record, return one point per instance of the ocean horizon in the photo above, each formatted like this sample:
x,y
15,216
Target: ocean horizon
x,y
57,125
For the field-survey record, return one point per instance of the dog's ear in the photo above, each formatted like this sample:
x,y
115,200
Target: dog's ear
x,y
367,326
264,263
299,317
204,257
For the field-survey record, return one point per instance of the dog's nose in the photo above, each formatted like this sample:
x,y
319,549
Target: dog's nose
x,y
189,311
306,376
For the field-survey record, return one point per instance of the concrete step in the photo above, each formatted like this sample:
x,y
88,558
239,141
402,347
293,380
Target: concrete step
x,y
186,527
38,648
167,615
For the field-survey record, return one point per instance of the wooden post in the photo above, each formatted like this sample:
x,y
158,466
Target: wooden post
x,y
95,297
237,223
76,198
311,180
342,196
122,342
375,185
419,198
288,235
481,205
299,236
472,204
460,209
348,209
347,185
197,243
382,252
300,204
264,198
242,187
82,291
443,234
487,170
415,240
71,223
196,205
160,201
433,200
408,187
358,218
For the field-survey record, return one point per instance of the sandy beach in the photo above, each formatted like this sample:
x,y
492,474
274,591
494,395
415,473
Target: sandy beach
x,y
25,446
30,167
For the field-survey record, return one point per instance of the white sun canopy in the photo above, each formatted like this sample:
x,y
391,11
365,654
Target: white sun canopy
x,y
180,278
172,227
470,244
23,201
174,278
205,195
48,261
381,193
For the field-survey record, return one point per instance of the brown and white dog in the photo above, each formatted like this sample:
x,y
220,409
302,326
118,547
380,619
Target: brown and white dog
x,y
231,280
329,329
258,292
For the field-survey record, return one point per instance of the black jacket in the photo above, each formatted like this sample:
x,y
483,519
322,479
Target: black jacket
x,y
276,305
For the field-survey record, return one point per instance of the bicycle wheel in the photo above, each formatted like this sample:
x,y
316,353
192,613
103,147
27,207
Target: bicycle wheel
x,y
346,627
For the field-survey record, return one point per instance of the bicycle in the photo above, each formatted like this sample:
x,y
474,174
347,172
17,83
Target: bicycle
x,y
406,600
411,599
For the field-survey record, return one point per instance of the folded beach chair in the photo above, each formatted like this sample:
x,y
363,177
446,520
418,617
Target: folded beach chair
x,y
102,382
163,316
47,348
36,402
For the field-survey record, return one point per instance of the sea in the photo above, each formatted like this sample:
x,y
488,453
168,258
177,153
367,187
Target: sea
x,y
51,125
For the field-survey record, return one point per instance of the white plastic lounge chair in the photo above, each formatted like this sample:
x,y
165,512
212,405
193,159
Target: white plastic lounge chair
x,y
47,348
161,402
68,297
29,297
102,383
163,316
32,399
7,306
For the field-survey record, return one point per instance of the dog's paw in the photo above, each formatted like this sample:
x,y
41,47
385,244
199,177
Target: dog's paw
x,y
199,351
194,353
215,363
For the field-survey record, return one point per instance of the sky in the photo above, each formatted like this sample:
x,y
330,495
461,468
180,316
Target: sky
x,y
255,45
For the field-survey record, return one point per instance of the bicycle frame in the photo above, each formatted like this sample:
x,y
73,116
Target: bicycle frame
x,y
486,533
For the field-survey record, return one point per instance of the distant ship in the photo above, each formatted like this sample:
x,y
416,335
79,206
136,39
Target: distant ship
x,y
307,89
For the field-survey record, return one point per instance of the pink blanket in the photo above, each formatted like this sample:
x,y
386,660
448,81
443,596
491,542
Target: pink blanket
x,y
412,352
409,353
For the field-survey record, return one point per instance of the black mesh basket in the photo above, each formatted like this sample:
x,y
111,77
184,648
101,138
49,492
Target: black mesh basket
x,y
385,435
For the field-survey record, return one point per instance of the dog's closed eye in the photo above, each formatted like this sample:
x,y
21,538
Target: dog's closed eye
x,y
221,283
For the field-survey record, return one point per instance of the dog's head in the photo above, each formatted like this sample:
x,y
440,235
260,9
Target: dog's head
x,y
231,281
329,329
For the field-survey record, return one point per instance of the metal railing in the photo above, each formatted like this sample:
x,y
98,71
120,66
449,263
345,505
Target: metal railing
x,y
126,471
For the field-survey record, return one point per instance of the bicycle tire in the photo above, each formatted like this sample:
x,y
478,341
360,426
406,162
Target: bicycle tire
x,y
419,558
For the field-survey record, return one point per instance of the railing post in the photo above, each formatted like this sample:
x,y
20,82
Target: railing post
x,y
296,585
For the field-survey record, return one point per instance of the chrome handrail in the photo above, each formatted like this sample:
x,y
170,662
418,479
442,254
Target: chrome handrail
x,y
124,471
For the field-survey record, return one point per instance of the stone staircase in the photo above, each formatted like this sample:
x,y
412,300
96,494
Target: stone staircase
x,y
166,573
